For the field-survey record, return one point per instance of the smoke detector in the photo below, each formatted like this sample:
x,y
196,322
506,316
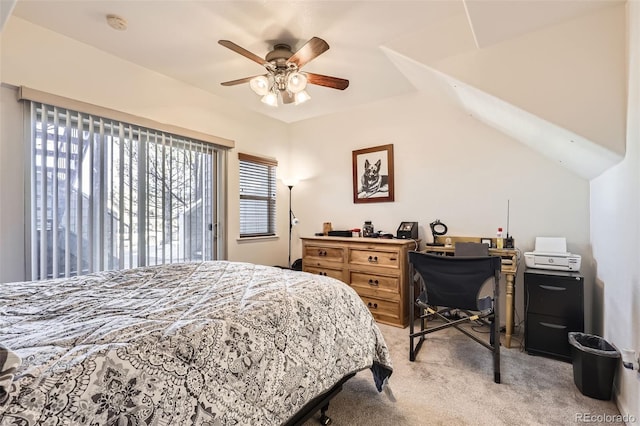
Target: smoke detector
x,y
117,22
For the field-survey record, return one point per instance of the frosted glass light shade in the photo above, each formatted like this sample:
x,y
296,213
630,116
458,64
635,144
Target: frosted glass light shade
x,y
270,99
296,82
302,97
260,85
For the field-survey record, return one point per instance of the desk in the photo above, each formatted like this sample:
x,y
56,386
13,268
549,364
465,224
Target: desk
x,y
509,269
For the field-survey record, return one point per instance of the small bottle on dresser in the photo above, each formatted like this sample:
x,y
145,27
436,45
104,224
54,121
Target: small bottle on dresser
x,y
499,239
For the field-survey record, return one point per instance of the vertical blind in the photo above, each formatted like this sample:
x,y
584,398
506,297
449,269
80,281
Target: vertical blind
x,y
110,195
257,196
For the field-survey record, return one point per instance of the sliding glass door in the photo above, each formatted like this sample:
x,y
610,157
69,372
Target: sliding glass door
x,y
110,195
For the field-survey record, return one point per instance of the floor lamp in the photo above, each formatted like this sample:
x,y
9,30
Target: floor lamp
x,y
290,225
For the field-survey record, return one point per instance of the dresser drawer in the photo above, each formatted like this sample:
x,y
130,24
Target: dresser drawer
x,y
383,310
554,296
375,285
327,272
322,254
386,259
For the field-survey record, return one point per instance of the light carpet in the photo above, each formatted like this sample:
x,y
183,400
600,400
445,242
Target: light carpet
x,y
451,383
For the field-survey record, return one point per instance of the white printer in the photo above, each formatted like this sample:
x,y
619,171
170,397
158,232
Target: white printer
x,y
551,253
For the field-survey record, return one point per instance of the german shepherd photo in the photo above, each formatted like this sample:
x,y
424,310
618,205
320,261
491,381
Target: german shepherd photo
x,y
372,183
373,174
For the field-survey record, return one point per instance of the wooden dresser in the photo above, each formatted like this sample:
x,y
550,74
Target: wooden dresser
x,y
376,268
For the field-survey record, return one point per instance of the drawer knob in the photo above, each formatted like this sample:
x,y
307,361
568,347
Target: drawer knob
x,y
373,259
373,282
322,253
372,305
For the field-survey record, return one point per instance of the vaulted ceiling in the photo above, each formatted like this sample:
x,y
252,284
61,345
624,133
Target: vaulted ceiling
x,y
549,73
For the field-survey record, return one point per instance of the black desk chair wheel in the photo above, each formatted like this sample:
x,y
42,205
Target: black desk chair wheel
x,y
453,283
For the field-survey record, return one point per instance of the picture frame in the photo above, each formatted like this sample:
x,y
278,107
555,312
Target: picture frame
x,y
486,241
373,178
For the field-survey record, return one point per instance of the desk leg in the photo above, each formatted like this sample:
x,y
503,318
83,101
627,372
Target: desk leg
x,y
509,311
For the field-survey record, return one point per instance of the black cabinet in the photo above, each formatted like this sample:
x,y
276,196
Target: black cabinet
x,y
554,305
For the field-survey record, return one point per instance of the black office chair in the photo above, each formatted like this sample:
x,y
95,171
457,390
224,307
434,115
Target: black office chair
x,y
450,283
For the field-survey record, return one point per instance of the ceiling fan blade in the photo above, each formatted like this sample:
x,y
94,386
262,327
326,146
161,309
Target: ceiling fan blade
x,y
244,52
327,81
287,97
238,81
312,49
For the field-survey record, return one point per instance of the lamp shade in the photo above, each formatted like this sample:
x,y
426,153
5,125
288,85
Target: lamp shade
x,y
290,182
260,85
296,82
302,97
270,99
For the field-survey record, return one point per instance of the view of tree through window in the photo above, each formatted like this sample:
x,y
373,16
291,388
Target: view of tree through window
x,y
108,195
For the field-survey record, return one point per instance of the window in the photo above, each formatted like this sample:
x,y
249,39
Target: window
x,y
257,196
110,195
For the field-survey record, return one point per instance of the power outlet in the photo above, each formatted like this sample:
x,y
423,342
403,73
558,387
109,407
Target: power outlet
x,y
630,359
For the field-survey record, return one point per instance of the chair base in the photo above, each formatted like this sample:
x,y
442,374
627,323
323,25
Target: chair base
x,y
413,351
494,336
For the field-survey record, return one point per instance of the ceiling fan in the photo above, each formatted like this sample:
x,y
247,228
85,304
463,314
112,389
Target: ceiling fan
x,y
284,78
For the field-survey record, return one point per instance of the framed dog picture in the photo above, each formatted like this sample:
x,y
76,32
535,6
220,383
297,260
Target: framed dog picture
x,y
373,174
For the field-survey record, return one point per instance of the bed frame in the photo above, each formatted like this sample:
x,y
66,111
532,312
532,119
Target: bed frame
x,y
320,402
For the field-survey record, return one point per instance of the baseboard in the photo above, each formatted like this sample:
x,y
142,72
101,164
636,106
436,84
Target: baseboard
x,y
626,415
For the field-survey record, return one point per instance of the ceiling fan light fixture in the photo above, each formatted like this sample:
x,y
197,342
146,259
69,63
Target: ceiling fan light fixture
x,y
296,82
270,99
301,97
284,82
260,85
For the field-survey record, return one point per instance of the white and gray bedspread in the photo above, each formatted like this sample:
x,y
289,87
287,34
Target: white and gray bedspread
x,y
216,343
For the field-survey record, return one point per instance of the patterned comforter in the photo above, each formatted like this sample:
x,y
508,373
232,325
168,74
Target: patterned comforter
x,y
216,343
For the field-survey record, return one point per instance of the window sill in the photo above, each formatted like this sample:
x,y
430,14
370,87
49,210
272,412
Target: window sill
x,y
256,239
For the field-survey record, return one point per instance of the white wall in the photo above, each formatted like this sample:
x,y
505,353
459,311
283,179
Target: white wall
x,y
6,8
448,166
615,235
47,61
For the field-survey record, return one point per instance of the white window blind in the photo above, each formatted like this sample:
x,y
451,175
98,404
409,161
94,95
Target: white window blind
x,y
110,195
257,196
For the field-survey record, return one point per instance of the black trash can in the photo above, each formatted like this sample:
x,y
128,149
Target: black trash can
x,y
594,364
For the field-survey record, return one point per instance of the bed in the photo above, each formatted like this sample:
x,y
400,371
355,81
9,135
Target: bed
x,y
215,343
